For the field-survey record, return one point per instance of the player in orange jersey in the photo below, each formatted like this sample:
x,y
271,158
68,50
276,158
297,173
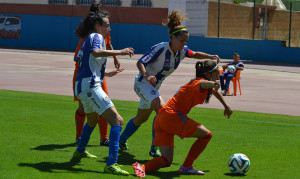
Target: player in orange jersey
x,y
172,120
79,114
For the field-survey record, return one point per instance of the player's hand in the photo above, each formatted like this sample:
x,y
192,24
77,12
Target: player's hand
x,y
151,79
217,85
215,57
127,51
114,72
116,62
227,112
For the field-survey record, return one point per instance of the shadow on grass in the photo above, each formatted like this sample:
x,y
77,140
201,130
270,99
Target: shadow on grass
x,y
235,174
49,147
53,146
52,166
169,174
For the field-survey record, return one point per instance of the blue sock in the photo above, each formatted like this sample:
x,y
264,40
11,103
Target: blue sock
x,y
85,137
129,131
153,133
114,137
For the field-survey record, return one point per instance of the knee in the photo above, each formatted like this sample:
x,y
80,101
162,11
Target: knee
x,y
139,120
221,77
168,162
120,120
208,136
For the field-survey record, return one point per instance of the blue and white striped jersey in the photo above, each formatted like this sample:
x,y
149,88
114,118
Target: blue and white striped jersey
x,y
160,61
91,69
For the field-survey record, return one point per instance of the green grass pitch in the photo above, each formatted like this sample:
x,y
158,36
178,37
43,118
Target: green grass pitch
x,y
38,134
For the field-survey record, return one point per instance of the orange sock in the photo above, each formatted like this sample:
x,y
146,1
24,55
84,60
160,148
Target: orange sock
x,y
103,128
79,121
196,149
155,164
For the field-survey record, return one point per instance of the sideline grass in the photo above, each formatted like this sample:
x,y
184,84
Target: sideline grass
x,y
38,132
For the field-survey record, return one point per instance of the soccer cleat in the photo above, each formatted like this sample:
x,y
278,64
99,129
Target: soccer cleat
x,y
104,142
154,152
123,146
138,170
85,154
189,171
77,140
115,169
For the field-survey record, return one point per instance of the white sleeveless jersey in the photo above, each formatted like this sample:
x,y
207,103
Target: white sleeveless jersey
x,y
160,62
91,69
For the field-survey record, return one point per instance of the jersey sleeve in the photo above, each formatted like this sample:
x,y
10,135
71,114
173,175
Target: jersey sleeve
x,y
152,55
241,64
188,52
77,51
96,42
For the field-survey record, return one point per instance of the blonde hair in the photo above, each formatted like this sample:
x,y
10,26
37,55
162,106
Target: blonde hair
x,y
173,22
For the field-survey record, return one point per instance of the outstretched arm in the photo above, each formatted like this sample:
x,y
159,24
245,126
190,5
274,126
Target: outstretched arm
x,y
114,72
228,111
201,55
106,53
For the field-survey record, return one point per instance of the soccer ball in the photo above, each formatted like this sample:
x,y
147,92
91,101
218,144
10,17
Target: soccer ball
x,y
239,163
231,69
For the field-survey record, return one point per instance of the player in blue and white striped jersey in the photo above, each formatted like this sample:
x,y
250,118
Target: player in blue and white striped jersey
x,y
94,28
154,66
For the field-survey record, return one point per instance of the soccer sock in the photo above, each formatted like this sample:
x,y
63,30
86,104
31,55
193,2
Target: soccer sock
x,y
153,133
196,149
103,128
155,164
129,131
79,121
85,137
114,137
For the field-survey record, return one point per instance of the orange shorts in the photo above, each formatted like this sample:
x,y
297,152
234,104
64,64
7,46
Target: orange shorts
x,y
170,123
103,84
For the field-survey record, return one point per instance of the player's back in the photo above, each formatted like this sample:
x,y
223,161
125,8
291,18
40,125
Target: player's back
x,y
188,96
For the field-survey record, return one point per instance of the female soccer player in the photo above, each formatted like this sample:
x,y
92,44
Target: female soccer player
x,y
157,64
93,30
172,120
79,114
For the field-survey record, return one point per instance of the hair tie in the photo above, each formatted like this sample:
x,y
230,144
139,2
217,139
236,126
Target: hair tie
x,y
212,69
182,29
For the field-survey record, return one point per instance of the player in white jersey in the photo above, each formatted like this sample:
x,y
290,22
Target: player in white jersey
x,y
157,64
93,30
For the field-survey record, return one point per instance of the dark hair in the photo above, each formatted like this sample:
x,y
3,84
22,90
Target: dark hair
x,y
173,22
236,54
203,67
88,24
95,7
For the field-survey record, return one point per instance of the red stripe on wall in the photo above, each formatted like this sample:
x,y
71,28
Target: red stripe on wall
x,y
127,15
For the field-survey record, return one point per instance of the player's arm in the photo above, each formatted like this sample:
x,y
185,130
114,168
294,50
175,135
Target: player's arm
x,y
151,79
106,53
116,61
228,111
202,55
114,72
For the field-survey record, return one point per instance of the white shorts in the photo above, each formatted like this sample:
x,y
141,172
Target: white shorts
x,y
95,100
147,94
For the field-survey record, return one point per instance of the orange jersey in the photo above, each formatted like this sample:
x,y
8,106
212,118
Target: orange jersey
x,y
188,96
